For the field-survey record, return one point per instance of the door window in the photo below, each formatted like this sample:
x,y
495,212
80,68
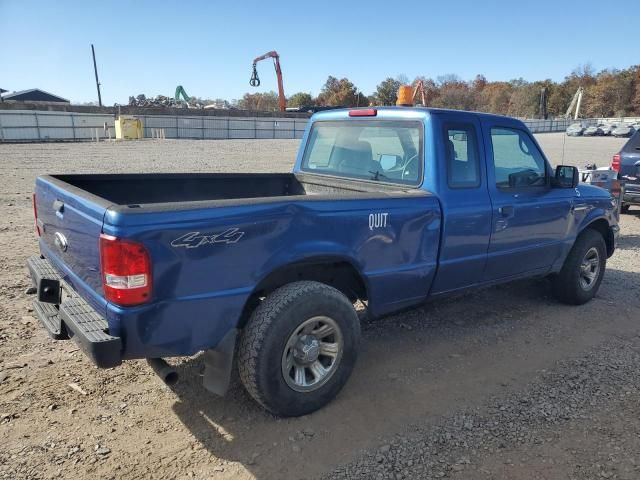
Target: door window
x,y
463,160
517,160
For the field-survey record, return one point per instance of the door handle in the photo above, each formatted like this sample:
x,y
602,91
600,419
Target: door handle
x,y
506,211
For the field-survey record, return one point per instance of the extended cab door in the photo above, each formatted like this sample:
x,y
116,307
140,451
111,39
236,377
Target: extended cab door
x,y
461,183
530,220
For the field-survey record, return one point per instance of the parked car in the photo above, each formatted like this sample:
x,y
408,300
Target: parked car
x,y
593,130
389,206
575,130
627,163
608,128
623,130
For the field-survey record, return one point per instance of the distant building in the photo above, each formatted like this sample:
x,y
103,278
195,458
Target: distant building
x,y
34,95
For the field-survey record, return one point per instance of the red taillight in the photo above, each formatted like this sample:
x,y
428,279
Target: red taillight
x,y
126,271
365,112
35,212
615,163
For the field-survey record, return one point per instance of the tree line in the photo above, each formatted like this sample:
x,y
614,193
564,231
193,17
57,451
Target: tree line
x,y
607,93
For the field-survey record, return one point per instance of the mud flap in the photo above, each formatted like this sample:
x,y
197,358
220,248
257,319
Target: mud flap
x,y
218,364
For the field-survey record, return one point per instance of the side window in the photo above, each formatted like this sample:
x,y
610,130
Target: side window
x,y
518,162
463,159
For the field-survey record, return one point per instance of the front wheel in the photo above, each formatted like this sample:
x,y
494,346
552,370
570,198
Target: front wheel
x,y
299,348
624,209
583,269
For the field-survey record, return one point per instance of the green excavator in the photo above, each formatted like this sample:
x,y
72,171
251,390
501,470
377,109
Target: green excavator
x,y
180,92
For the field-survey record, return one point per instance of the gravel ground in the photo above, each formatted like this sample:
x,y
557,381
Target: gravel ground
x,y
503,383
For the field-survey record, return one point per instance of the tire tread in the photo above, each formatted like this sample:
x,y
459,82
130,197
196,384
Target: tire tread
x,y
260,322
564,286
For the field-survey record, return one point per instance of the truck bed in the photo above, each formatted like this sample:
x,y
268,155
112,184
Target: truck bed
x,y
134,190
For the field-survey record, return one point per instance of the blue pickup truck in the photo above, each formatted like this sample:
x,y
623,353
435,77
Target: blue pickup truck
x,y
387,206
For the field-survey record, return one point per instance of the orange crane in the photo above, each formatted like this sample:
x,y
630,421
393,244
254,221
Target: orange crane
x,y
420,88
255,80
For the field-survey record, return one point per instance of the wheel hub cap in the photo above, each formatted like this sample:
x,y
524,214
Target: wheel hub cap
x,y
306,350
312,354
589,269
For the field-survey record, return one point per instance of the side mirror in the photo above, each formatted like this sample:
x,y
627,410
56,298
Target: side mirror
x,y
566,176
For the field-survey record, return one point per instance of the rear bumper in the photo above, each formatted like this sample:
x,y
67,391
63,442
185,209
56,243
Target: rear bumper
x,y
64,314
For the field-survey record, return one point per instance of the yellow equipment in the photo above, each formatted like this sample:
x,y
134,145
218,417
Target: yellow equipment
x,y
129,128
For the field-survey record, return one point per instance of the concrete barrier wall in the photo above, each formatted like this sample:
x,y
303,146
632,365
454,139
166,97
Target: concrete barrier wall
x,y
43,126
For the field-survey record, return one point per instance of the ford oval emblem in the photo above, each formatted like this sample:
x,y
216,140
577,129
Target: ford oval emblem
x,y
61,241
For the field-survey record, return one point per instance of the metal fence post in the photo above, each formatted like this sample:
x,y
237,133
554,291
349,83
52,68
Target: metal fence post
x,y
73,127
177,131
202,123
1,130
35,114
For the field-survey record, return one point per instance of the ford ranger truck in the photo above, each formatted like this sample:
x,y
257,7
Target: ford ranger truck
x,y
388,206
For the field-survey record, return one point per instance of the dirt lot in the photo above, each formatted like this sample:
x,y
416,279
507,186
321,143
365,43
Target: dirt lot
x,y
504,383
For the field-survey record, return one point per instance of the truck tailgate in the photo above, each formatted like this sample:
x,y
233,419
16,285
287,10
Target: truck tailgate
x,y
70,223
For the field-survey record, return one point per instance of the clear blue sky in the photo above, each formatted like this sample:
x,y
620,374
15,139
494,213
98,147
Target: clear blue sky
x,y
149,47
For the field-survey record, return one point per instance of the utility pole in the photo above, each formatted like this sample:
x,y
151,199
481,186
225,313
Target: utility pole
x,y
95,70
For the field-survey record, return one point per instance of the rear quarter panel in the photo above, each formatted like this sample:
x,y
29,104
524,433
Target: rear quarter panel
x,y
200,288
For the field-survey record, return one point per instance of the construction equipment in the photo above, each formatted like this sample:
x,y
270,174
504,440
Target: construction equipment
x,y
163,101
255,80
180,91
575,102
419,87
407,95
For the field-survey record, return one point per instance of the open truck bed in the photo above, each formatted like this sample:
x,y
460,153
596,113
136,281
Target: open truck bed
x,y
213,240
135,190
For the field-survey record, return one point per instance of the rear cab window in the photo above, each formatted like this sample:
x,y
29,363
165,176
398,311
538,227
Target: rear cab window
x,y
378,150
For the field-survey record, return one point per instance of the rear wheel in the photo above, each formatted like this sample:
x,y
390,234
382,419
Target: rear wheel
x,y
625,208
583,269
299,348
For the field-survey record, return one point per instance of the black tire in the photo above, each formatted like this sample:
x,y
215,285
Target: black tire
x,y
567,285
265,337
625,209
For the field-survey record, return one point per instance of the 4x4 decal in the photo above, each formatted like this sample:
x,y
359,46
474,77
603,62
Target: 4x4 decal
x,y
196,239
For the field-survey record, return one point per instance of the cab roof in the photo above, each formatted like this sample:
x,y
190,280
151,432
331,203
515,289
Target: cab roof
x,y
402,112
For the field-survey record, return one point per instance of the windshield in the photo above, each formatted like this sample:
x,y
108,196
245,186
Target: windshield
x,y
379,150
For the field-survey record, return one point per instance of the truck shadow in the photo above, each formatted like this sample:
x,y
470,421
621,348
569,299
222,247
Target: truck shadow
x,y
415,366
629,242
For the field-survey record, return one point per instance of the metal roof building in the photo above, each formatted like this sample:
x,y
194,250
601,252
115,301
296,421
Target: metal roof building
x,y
33,95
